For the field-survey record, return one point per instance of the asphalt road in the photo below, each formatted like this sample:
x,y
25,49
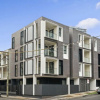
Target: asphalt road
x,y
90,97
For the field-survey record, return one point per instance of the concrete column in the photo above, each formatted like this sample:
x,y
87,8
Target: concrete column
x,y
24,83
34,83
68,83
43,31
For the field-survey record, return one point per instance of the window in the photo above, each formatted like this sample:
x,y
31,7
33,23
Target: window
x,y
51,67
60,32
21,68
21,53
16,70
98,59
79,67
65,49
13,42
80,55
71,82
95,45
98,72
22,38
16,55
79,38
60,67
51,33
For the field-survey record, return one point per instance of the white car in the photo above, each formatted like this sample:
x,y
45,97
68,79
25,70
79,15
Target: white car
x,y
98,90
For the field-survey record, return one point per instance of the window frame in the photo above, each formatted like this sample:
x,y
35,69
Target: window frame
x,y
13,43
16,55
16,70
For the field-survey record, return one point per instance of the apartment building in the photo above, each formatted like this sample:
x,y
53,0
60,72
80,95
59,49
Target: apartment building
x,y
80,58
95,82
48,58
4,58
41,60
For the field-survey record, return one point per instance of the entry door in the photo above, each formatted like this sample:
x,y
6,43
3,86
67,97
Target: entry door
x,y
82,85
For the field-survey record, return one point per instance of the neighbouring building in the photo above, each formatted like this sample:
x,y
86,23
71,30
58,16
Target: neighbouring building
x,y
48,58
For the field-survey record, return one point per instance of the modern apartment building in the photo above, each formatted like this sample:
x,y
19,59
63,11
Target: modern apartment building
x,y
48,58
41,60
80,58
95,82
4,58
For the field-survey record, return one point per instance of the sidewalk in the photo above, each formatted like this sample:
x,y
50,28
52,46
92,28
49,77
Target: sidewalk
x,y
59,97
19,97
65,97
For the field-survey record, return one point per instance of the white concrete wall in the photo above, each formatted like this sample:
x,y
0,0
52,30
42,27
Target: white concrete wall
x,y
43,30
93,84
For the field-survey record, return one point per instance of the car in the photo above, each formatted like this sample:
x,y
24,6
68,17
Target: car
x,y
98,90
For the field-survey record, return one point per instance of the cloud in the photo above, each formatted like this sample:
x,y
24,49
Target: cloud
x,y
98,5
88,23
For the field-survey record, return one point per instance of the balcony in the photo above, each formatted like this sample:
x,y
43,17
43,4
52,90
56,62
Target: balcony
x,y
86,56
87,73
50,48
86,46
87,42
50,53
51,35
86,59
51,71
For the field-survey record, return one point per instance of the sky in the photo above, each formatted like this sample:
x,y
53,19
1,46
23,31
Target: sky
x,y
15,14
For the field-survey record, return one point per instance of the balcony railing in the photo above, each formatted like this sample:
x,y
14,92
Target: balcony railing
x,y
86,45
86,59
50,53
51,35
87,73
51,71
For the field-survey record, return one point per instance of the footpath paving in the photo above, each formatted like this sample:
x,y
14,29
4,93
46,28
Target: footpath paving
x,y
59,97
71,96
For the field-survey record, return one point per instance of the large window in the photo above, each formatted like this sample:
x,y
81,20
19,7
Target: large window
x,y
98,59
80,55
13,42
21,68
98,72
60,67
65,49
60,32
16,56
16,70
21,53
22,38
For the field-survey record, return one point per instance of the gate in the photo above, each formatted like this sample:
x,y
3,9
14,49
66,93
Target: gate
x,y
19,90
84,86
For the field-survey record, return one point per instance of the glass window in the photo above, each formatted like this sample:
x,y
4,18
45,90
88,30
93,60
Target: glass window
x,y
60,67
22,38
65,49
16,55
16,70
21,68
60,32
13,42
21,53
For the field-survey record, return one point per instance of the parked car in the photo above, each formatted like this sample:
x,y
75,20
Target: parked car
x,y
98,90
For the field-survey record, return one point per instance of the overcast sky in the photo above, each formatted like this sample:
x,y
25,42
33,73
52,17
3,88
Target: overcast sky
x,y
15,14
